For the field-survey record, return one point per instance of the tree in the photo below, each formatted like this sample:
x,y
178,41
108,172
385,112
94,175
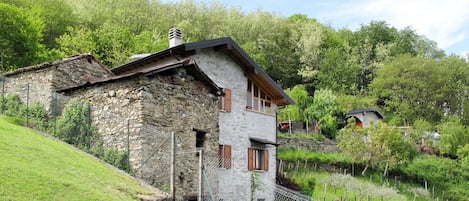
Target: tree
x,y
377,145
20,38
337,73
454,136
412,88
302,100
324,103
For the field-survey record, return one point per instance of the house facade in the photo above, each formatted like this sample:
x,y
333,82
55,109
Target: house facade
x,y
247,113
210,94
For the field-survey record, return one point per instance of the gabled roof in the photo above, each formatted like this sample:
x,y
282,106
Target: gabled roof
x,y
222,44
360,111
87,56
188,64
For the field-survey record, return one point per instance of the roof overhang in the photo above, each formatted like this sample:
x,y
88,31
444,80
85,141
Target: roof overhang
x,y
263,141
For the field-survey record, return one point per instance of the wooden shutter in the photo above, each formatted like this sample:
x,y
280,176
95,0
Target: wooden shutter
x,y
250,159
227,102
227,156
266,160
220,156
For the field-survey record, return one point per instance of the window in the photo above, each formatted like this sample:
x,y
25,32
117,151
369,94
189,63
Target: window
x,y
257,99
199,137
224,156
258,159
224,102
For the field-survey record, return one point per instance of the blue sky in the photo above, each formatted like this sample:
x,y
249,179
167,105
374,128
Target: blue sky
x,y
443,21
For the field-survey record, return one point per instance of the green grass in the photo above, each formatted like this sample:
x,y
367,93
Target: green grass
x,y
34,167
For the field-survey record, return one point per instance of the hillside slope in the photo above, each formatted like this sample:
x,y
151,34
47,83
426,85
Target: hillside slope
x,y
34,167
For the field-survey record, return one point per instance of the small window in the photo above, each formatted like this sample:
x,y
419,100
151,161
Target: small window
x,y
258,159
199,138
224,156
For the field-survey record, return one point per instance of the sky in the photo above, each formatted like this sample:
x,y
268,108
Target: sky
x,y
443,21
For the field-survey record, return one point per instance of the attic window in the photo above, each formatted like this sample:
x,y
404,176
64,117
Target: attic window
x,y
257,99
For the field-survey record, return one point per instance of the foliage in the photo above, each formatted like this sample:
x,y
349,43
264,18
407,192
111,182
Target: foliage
x,y
20,38
328,125
75,128
442,172
314,157
324,103
34,115
377,144
302,101
454,135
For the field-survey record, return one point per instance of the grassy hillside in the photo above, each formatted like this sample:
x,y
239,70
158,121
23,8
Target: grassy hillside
x,y
34,167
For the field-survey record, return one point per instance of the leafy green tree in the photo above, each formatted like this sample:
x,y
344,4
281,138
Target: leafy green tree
x,y
337,74
412,88
74,127
20,38
377,145
302,101
324,103
454,136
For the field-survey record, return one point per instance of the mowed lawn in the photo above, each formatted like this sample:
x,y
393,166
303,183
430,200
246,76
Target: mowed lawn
x,y
34,167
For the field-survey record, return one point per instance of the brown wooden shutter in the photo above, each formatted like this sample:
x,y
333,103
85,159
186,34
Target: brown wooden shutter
x,y
227,100
227,156
250,159
220,102
266,160
220,156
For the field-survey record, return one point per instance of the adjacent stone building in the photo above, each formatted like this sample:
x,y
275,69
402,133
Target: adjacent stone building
x,y
140,110
38,84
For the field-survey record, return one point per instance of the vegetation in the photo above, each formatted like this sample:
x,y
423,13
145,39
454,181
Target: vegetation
x,y
73,127
442,177
34,167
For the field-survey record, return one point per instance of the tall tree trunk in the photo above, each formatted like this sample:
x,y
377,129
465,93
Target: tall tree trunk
x,y
366,168
386,168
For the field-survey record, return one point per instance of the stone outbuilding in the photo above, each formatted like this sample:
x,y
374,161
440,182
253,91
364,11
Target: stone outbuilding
x,y
364,117
39,83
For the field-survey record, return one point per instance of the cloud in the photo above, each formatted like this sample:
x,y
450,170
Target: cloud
x,y
442,21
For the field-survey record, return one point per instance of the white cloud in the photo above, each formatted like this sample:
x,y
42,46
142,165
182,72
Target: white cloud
x,y
445,22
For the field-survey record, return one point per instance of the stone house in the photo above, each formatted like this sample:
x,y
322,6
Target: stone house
x,y
364,117
210,94
247,111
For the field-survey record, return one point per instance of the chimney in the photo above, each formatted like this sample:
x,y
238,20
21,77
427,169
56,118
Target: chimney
x,y
175,37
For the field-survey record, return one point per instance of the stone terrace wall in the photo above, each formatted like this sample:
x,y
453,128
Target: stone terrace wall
x,y
45,79
156,107
321,146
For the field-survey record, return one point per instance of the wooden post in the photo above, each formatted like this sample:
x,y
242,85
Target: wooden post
x,y
201,166
172,171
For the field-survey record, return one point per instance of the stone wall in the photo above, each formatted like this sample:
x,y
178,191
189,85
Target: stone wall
x,y
321,146
45,79
151,108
